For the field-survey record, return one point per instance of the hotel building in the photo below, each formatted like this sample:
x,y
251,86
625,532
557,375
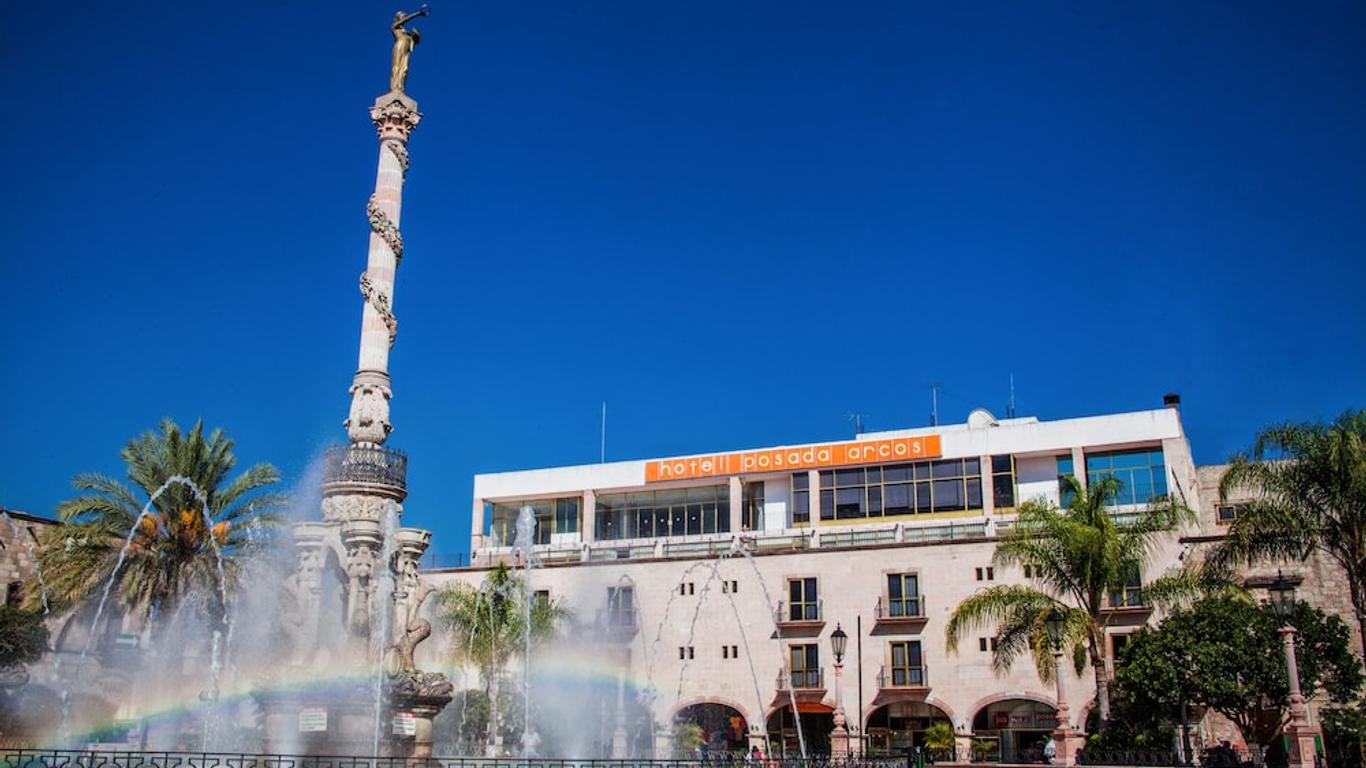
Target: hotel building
x,y
695,566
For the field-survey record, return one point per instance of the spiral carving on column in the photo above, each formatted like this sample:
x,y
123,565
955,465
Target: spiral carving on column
x,y
380,301
400,154
382,226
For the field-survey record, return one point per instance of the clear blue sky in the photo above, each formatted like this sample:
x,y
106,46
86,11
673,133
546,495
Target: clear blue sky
x,y
735,222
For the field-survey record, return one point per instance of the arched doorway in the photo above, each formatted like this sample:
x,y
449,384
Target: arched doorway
x,y
817,721
1013,730
723,728
893,728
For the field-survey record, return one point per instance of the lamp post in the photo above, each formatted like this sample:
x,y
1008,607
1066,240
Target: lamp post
x,y
1064,739
1303,738
839,735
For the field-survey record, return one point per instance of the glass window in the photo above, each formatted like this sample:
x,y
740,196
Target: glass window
x,y
552,516
1131,595
805,661
1142,473
1003,481
803,602
657,514
903,594
907,668
1064,469
752,500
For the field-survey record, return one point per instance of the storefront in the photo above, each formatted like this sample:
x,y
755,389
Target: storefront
x,y
1019,727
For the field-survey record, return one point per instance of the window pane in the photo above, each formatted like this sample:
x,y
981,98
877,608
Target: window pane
x,y
974,493
922,497
972,466
897,499
1003,491
794,590
921,470
723,516
810,585
896,473
694,519
1065,465
874,500
799,481
662,522
827,479
948,495
949,468
1000,463
827,505
849,503
894,586
874,475
912,585
801,503
848,477
898,654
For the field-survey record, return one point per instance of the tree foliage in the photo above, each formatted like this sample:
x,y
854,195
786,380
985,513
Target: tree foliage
x,y
173,553
1227,654
23,636
1078,556
1309,494
489,627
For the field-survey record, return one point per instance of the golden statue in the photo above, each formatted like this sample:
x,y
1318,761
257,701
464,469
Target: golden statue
x,y
405,40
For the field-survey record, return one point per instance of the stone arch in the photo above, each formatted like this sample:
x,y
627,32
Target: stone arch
x,y
933,701
994,698
896,724
725,725
1013,726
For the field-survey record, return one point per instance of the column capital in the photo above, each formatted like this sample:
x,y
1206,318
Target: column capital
x,y
395,116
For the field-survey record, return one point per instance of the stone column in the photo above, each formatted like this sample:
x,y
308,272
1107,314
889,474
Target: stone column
x,y
363,541
589,520
813,495
395,116
310,546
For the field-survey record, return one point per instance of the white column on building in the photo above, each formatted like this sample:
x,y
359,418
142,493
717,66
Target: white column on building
x,y
988,495
737,495
1079,465
590,516
476,528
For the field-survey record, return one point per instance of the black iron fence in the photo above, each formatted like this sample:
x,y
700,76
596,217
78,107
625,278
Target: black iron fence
x,y
115,759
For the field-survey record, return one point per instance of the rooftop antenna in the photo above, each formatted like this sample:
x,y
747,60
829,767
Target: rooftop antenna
x,y
602,449
1010,411
934,405
857,418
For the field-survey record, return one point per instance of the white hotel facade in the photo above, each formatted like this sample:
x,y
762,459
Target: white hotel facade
x,y
881,536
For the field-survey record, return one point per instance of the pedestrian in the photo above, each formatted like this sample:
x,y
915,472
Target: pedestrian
x,y
756,757
1050,751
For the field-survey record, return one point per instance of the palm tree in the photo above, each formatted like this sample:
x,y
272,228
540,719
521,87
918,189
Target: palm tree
x,y
1309,495
489,626
174,549
1077,556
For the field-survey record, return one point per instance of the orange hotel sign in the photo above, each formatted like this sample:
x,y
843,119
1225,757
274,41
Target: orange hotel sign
x,y
794,458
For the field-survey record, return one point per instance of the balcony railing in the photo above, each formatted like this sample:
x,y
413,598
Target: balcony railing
x,y
1128,599
798,613
901,677
367,464
801,680
900,608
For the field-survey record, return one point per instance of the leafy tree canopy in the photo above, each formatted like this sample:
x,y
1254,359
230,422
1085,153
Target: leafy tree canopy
x,y
1227,654
23,636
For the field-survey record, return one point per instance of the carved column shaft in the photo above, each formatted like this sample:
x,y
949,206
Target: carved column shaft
x,y
395,116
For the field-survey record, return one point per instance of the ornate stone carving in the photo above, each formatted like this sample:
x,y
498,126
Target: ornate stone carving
x,y
400,153
380,301
395,116
412,685
386,229
346,507
368,421
399,657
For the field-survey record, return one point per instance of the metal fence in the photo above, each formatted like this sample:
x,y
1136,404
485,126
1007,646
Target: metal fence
x,y
115,759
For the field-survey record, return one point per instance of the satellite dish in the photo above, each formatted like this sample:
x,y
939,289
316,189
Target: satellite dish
x,y
980,418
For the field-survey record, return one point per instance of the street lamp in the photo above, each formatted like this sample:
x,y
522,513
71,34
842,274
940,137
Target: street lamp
x,y
1303,737
1062,732
839,735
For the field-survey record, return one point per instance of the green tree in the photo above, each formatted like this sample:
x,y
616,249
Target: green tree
x,y
1079,556
1309,488
23,636
489,628
173,553
1227,654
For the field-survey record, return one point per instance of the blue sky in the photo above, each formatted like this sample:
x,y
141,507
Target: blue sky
x,y
735,222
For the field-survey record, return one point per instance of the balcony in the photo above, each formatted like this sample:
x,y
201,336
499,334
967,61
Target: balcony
x,y
369,466
905,614
618,625
804,685
806,617
902,678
